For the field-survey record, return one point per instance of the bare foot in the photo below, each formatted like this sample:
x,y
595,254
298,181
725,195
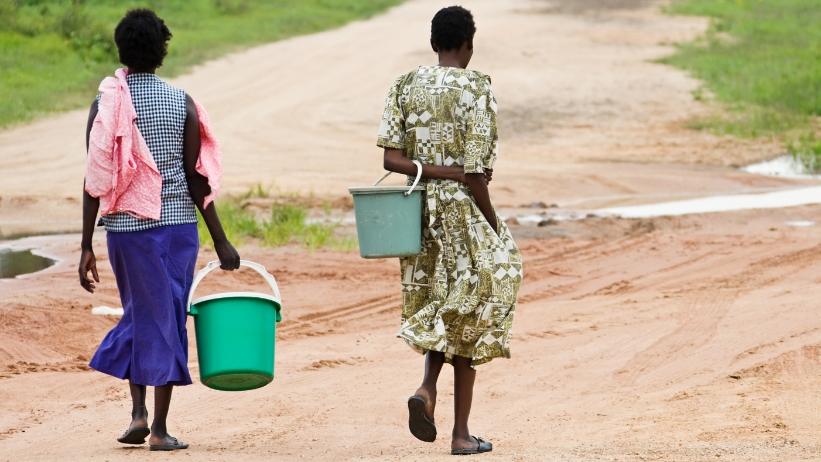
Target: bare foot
x,y
137,431
430,401
471,445
139,422
459,443
162,440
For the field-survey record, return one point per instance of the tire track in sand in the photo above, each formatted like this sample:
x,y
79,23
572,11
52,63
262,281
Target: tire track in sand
x,y
672,356
324,322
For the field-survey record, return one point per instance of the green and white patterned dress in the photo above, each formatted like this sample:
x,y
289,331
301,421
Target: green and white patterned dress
x,y
459,295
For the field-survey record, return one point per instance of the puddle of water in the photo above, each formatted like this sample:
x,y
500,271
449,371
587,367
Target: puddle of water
x,y
772,200
16,262
534,220
784,166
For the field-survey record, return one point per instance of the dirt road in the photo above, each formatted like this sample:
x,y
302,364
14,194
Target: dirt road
x,y
688,338
673,339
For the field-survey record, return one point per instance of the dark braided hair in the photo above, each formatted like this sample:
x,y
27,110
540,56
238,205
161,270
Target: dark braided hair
x,y
142,39
452,27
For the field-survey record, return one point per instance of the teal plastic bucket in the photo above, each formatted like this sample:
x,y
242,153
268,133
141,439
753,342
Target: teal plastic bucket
x,y
236,334
388,219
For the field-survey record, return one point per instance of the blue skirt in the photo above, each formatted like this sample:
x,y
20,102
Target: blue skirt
x,y
154,270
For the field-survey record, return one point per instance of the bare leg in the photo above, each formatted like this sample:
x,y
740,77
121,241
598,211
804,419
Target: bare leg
x,y
433,366
463,379
139,413
162,401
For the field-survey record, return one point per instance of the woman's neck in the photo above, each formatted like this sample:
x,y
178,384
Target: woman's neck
x,y
135,71
447,59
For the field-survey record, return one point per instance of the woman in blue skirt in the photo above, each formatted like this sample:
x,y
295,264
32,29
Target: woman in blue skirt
x,y
150,133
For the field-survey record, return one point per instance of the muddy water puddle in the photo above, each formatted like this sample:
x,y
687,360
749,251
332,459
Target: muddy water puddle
x,y
14,263
785,166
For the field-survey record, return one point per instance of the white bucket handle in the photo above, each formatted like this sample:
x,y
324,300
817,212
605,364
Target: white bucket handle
x,y
415,182
249,264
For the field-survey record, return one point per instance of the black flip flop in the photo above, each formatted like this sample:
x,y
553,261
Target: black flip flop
x,y
135,435
484,446
420,426
168,447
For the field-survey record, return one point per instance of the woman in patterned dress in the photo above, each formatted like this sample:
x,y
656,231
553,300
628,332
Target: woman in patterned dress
x,y
153,259
459,294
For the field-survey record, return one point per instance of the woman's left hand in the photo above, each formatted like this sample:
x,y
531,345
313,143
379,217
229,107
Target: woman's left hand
x,y
228,255
88,262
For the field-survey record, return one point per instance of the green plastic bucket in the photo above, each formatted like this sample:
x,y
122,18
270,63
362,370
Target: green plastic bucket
x,y
236,333
389,219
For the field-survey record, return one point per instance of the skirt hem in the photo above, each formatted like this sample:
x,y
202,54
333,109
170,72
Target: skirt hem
x,y
176,383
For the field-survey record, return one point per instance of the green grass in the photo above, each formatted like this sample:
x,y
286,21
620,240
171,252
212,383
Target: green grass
x,y
237,223
284,224
762,59
53,53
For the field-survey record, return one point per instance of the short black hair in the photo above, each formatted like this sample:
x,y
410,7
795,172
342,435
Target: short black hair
x,y
142,39
452,27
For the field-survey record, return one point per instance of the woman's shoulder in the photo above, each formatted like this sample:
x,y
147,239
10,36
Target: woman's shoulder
x,y
179,92
476,76
406,78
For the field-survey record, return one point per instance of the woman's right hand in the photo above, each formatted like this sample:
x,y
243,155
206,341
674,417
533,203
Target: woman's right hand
x,y
228,255
488,175
88,262
461,176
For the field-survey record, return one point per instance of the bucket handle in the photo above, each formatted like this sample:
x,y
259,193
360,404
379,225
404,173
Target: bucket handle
x,y
248,264
415,182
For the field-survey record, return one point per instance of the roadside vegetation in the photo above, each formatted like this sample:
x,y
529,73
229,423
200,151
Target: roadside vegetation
x,y
53,53
762,59
275,221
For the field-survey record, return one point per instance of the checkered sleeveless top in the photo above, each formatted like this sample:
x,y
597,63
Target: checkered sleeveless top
x,y
161,115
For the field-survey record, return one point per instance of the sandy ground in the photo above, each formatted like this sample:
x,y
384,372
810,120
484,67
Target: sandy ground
x,y
688,338
670,339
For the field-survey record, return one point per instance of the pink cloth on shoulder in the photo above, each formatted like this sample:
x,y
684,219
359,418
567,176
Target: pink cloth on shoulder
x,y
209,164
120,169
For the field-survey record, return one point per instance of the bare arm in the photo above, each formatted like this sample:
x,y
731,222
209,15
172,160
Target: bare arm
x,y
91,205
395,161
478,187
199,189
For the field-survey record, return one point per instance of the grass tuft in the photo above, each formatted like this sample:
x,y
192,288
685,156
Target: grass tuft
x,y
806,150
238,224
285,224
